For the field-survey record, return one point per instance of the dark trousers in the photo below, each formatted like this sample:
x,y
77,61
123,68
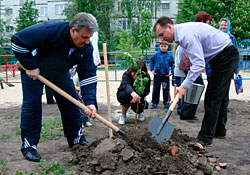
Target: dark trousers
x,y
178,81
188,110
223,67
49,95
125,98
158,81
31,114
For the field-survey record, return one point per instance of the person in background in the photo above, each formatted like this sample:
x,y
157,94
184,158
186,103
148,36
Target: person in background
x,y
60,45
203,43
203,17
225,26
96,54
179,75
160,64
127,95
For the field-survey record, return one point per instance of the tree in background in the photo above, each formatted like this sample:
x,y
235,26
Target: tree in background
x,y
131,10
103,10
27,15
145,33
105,13
236,11
4,37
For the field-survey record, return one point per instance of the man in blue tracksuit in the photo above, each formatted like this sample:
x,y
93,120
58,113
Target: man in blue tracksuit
x,y
51,48
160,64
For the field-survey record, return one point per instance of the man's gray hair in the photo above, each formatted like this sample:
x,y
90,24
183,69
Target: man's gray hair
x,y
84,20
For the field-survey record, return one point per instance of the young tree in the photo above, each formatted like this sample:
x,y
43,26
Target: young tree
x,y
131,9
27,15
236,11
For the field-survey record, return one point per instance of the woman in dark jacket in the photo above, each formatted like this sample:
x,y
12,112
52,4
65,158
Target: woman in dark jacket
x,y
127,95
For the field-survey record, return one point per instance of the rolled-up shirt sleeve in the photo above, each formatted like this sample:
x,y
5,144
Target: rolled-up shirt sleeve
x,y
194,51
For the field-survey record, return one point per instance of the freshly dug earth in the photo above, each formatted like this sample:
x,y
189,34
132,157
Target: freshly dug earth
x,y
138,153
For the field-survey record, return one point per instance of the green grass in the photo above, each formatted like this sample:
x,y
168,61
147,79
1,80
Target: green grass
x,y
17,116
51,129
14,133
2,166
54,168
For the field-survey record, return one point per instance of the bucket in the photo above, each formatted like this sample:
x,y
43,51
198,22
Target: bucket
x,y
194,93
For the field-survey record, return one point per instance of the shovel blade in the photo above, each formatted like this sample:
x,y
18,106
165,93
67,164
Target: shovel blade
x,y
166,131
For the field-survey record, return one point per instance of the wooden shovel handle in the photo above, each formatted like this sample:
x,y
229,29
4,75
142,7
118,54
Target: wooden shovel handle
x,y
176,99
73,100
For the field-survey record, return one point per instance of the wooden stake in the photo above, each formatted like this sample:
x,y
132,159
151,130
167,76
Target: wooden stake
x,y
107,85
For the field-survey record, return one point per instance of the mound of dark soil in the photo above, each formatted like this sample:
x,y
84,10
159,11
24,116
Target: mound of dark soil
x,y
138,153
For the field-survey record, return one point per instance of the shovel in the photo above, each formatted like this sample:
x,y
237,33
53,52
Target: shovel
x,y
160,128
76,102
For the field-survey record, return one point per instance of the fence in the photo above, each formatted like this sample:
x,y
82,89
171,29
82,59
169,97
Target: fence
x,y
8,67
115,63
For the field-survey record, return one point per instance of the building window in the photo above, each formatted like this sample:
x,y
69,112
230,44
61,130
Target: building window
x,y
44,11
9,11
124,25
60,8
165,5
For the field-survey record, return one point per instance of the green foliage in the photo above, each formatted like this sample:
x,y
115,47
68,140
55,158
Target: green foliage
x,y
103,10
4,36
125,46
16,132
140,82
105,13
10,117
145,30
132,10
3,166
51,129
27,15
236,11
55,168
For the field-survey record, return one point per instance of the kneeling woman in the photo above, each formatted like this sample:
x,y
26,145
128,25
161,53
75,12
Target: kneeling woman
x,y
127,95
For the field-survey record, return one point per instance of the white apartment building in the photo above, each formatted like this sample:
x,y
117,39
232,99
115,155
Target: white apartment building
x,y
48,10
167,8
53,10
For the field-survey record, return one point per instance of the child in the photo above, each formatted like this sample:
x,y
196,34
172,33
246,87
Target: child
x,y
160,64
126,94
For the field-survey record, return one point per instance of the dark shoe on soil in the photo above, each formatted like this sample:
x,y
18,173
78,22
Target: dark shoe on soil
x,y
196,140
220,136
146,105
188,118
83,141
166,106
153,106
32,155
178,112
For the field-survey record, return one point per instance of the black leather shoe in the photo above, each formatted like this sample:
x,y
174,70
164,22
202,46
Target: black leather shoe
x,y
196,140
83,141
32,155
220,136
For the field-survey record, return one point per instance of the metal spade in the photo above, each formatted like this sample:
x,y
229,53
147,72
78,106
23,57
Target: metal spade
x,y
160,128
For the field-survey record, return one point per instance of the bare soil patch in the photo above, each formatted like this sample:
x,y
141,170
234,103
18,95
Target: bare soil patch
x,y
138,153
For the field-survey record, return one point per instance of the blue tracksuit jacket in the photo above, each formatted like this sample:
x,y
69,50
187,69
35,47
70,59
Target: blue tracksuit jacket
x,y
161,62
51,41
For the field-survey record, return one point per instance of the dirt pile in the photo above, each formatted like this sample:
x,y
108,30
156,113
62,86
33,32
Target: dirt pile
x,y
138,153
